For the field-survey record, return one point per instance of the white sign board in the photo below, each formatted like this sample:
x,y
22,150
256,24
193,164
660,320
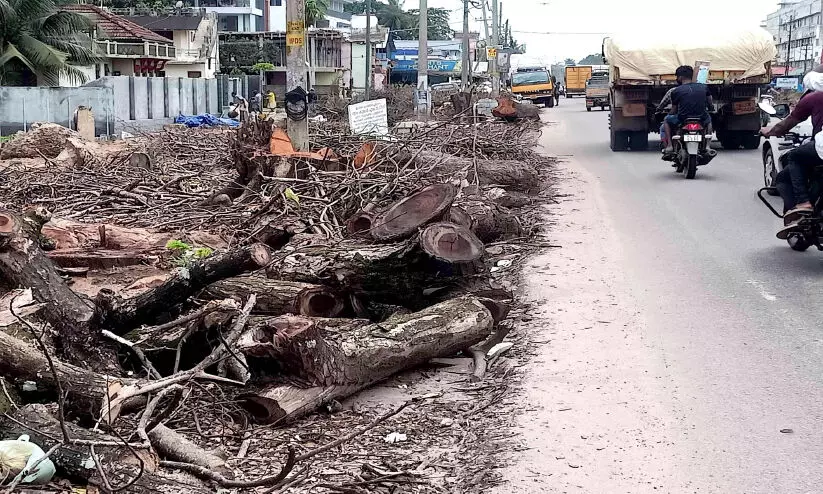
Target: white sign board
x,y
786,83
485,106
369,117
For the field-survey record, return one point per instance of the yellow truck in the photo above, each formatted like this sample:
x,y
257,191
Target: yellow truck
x,y
576,78
535,84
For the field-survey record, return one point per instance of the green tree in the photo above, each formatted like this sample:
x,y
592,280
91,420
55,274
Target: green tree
x,y
39,39
594,59
315,10
569,62
438,22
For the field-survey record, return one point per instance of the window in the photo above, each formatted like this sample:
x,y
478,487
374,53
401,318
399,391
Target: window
x,y
276,3
194,74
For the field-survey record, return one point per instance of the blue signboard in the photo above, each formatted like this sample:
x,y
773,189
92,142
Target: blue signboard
x,y
434,66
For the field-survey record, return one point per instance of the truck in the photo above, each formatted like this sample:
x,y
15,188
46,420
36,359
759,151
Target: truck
x,y
641,70
576,77
535,84
597,91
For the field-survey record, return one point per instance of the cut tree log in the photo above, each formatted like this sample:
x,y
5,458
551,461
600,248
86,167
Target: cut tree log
x,y
75,460
174,446
24,264
458,216
489,221
264,336
404,218
338,363
360,222
87,391
279,297
121,315
509,174
451,243
68,234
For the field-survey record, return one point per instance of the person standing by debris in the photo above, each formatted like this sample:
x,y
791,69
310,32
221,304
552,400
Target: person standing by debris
x,y
241,106
257,102
271,100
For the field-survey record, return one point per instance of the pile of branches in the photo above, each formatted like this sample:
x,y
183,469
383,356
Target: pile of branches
x,y
399,104
354,262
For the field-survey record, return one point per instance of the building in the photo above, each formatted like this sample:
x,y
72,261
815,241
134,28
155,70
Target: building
x,y
336,16
194,33
238,16
444,59
474,37
125,48
796,30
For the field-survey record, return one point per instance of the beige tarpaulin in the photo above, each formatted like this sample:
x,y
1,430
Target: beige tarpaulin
x,y
643,54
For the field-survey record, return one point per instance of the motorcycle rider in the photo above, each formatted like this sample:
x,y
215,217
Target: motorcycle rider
x,y
801,161
689,100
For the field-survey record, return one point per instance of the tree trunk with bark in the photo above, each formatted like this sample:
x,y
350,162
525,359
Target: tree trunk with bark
x,y
490,221
279,297
404,218
338,363
509,174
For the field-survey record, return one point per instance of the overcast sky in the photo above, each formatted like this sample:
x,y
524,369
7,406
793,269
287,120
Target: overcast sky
x,y
531,18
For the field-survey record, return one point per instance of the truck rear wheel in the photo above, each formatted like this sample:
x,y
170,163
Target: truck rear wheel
x,y
729,140
750,141
549,103
588,108
619,140
639,141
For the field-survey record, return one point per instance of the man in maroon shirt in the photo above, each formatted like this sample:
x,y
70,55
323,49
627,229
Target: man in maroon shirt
x,y
800,162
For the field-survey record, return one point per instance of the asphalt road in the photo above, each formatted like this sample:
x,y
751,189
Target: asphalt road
x,y
721,342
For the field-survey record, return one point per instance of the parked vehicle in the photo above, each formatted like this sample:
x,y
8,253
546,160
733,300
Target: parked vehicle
x,y
691,148
576,77
642,67
534,84
597,91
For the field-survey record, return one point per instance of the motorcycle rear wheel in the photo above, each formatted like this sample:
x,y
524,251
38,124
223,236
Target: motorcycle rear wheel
x,y
690,170
798,243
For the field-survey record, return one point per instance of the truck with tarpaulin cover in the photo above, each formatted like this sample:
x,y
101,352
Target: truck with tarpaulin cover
x,y
642,66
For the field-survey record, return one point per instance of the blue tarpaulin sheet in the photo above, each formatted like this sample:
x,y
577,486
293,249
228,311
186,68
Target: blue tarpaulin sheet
x,y
205,120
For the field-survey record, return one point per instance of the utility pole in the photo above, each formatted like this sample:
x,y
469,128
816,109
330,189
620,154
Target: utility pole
x,y
789,46
485,23
423,63
368,49
495,44
464,73
296,68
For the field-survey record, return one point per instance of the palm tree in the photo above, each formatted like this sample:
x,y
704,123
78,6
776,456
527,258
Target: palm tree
x,y
315,10
38,38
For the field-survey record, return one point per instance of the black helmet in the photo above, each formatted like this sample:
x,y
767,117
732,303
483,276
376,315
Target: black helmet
x,y
684,71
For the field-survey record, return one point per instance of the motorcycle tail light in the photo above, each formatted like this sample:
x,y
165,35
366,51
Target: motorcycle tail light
x,y
693,126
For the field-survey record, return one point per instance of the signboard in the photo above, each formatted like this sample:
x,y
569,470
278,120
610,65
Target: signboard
x,y
491,53
369,117
702,71
786,83
453,66
295,33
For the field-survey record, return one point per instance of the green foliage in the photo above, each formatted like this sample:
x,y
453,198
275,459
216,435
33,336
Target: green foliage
x,y
262,66
404,24
594,59
438,22
243,54
569,62
184,254
37,37
315,10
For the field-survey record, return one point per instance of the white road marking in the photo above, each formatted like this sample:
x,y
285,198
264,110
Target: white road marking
x,y
762,289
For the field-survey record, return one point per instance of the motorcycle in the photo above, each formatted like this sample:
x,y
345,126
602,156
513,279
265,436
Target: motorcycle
x,y
691,148
809,229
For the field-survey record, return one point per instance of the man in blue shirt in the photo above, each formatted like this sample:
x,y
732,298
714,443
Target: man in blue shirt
x,y
689,100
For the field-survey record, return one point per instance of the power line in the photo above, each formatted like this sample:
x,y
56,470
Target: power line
x,y
559,33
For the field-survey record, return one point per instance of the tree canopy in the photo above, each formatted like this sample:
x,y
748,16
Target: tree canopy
x,y
593,59
405,24
569,62
37,38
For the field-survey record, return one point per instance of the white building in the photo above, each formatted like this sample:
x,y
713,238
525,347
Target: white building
x,y
336,17
195,42
796,29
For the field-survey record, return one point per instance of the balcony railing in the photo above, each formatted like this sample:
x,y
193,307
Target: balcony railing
x,y
151,49
225,3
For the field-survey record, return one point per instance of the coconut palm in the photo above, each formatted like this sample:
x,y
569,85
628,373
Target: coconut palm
x,y
38,38
315,10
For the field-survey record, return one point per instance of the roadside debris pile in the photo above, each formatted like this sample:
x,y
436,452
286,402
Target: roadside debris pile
x,y
280,282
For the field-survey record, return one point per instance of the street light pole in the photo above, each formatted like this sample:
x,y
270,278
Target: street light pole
x,y
495,42
464,73
368,49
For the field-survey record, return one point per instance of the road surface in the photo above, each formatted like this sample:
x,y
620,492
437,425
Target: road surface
x,y
676,336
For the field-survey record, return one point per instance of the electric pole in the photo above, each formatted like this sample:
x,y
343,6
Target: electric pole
x,y
485,23
464,73
423,63
494,44
368,49
298,129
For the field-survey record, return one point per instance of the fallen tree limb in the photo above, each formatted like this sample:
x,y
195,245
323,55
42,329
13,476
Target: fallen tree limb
x,y
279,297
340,363
510,174
489,221
122,315
176,447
